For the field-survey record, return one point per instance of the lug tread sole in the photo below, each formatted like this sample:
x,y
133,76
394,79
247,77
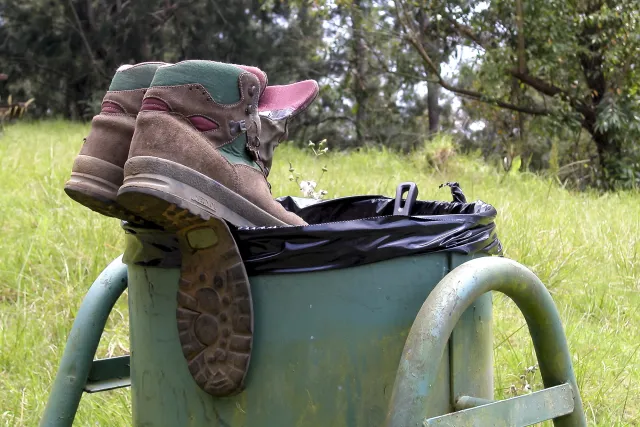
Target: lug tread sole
x,y
215,309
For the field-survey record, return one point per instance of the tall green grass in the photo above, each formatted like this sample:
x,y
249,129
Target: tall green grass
x,y
584,247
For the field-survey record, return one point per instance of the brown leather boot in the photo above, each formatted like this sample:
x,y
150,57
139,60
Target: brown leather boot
x,y
200,155
199,150
97,171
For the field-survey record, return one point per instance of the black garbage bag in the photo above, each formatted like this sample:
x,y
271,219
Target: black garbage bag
x,y
360,230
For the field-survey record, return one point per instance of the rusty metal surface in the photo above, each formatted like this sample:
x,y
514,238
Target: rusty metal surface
x,y
518,411
415,382
466,402
471,359
108,374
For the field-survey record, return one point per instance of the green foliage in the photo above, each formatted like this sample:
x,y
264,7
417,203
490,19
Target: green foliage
x,y
573,63
586,51
68,67
439,152
568,77
516,164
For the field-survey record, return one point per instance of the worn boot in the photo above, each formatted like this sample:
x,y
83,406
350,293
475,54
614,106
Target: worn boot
x,y
199,157
198,150
97,171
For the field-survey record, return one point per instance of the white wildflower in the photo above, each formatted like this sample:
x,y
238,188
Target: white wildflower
x,y
308,188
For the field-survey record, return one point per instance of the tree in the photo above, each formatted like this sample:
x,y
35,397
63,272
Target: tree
x,y
64,53
572,61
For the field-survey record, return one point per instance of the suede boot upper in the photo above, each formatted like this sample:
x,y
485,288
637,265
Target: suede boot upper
x,y
204,115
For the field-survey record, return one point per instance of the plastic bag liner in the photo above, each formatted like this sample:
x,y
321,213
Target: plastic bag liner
x,y
360,230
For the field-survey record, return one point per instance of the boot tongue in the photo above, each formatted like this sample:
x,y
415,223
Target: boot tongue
x,y
277,105
283,102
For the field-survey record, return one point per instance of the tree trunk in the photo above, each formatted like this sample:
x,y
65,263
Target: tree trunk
x,y
145,48
592,64
432,44
433,106
522,66
608,149
360,89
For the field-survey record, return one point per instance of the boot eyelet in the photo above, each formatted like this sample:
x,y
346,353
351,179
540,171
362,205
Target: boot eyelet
x,y
252,90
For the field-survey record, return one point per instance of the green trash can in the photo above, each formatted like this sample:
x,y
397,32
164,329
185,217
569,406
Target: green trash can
x,y
404,340
326,344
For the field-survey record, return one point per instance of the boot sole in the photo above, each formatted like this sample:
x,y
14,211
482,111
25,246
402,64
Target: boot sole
x,y
214,306
215,309
189,190
94,183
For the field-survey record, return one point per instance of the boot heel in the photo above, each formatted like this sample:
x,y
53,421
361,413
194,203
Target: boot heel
x,y
94,183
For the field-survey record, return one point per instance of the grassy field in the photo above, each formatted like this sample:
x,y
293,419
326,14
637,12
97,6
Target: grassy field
x,y
584,247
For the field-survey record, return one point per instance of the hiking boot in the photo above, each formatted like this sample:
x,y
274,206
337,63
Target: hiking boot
x,y
199,158
198,150
97,171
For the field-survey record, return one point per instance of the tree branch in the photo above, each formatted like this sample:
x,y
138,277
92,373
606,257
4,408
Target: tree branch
x,y
85,41
539,84
537,111
466,32
552,90
521,73
430,66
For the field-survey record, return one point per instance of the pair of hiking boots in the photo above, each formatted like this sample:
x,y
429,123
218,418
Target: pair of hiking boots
x,y
199,135
187,147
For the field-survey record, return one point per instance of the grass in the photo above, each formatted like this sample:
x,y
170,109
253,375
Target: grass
x,y
584,247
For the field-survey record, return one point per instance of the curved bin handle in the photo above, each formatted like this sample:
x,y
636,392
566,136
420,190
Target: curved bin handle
x,y
441,311
82,344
